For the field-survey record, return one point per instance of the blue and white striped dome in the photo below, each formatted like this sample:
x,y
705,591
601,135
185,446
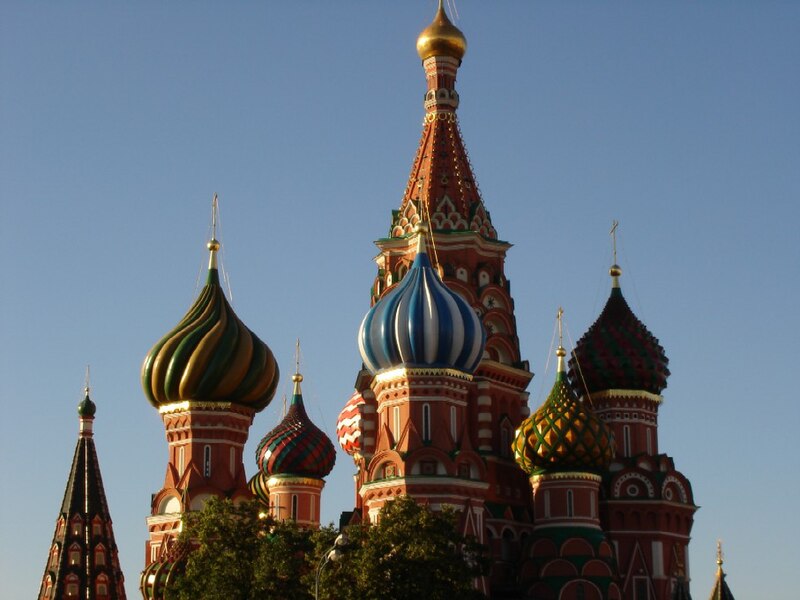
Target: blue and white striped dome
x,y
421,323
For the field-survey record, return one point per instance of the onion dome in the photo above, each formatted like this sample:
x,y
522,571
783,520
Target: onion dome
x,y
86,408
296,446
348,427
421,323
258,487
564,434
210,356
618,352
160,575
441,38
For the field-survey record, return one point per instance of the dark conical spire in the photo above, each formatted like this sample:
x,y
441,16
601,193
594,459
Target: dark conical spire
x,y
82,561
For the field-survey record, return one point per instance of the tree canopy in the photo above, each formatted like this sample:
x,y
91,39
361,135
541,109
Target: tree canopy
x,y
411,553
242,554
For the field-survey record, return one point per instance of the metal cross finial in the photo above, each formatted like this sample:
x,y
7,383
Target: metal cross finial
x,y
613,233
86,383
297,357
719,553
559,316
214,211
560,352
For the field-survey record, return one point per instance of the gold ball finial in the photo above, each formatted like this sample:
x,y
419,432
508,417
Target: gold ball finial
x,y
297,378
213,245
615,271
560,352
441,38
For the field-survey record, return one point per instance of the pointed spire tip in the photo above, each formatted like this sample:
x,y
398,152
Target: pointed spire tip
x,y
560,352
615,271
213,244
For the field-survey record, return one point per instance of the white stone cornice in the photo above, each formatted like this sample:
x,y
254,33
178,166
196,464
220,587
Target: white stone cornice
x,y
410,372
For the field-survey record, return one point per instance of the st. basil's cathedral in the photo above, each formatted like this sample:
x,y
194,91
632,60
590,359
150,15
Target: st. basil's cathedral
x,y
574,500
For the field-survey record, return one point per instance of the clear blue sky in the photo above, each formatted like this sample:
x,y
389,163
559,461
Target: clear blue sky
x,y
118,122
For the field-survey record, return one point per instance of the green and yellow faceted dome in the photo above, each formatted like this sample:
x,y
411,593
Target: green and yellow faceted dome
x,y
564,434
210,356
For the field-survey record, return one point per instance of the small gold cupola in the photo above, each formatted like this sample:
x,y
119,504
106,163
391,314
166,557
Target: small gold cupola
x,y
441,38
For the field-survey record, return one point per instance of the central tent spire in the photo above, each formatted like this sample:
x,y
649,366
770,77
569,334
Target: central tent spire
x,y
441,187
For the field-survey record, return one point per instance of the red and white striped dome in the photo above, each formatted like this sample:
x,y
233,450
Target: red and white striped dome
x,y
348,427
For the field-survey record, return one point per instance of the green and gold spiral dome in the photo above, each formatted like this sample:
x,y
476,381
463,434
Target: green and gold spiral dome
x,y
210,356
564,434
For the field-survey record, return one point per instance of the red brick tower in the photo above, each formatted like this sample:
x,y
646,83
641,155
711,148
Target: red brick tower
x,y
83,561
467,428
207,378
647,505
565,448
293,460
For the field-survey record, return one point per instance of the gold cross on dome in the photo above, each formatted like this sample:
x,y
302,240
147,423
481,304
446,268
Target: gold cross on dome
x,y
613,233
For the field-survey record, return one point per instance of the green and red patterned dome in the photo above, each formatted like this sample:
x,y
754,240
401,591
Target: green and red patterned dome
x,y
210,356
564,434
618,352
259,488
160,575
296,446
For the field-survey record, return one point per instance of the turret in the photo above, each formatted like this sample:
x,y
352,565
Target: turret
x,y
293,460
565,448
621,369
82,561
207,377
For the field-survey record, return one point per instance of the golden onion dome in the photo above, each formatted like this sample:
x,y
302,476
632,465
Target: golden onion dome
x,y
441,38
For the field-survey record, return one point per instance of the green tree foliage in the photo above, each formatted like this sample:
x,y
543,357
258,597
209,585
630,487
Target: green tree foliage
x,y
412,553
241,554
